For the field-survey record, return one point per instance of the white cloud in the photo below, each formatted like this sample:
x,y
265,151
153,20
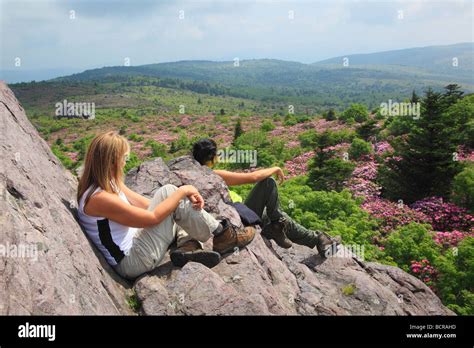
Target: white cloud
x,y
147,32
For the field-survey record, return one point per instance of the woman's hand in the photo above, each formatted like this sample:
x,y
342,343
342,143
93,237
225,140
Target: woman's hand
x,y
279,174
193,195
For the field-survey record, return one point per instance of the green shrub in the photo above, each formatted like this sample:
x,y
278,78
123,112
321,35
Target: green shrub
x,y
356,112
359,148
411,242
132,162
256,139
180,144
290,120
65,160
336,213
330,115
157,149
463,188
267,126
135,137
455,282
312,139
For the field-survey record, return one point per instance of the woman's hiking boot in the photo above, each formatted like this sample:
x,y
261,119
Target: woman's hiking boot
x,y
193,251
229,237
276,230
327,245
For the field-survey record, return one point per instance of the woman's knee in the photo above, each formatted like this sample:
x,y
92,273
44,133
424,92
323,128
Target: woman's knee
x,y
166,190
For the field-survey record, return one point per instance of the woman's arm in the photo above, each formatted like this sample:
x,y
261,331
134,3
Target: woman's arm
x,y
112,207
134,198
233,179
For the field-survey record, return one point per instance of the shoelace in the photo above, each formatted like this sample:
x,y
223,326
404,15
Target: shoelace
x,y
285,224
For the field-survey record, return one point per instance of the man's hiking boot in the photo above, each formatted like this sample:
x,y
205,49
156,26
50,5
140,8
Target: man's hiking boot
x,y
327,245
276,230
192,251
230,237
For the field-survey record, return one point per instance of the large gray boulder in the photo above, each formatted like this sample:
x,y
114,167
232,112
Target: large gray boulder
x,y
263,279
47,265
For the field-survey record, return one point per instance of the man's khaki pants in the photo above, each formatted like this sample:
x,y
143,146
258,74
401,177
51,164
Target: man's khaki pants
x,y
151,244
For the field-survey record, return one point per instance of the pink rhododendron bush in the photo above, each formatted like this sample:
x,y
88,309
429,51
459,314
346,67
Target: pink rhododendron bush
x,y
445,216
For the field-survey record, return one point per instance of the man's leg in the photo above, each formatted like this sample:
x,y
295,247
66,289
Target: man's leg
x,y
299,234
263,200
325,244
264,195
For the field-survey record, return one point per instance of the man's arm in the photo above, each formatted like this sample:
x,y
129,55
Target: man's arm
x,y
233,179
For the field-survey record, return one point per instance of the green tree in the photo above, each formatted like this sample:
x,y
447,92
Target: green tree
x,y
328,172
462,113
238,130
452,94
367,129
330,115
426,167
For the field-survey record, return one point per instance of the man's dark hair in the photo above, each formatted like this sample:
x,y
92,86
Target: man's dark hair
x,y
204,150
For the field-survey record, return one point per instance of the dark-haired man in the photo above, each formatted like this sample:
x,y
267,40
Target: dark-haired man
x,y
263,200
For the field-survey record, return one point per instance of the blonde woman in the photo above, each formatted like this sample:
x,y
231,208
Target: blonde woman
x,y
133,232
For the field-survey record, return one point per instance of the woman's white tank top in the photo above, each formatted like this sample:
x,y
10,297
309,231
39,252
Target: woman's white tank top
x,y
111,238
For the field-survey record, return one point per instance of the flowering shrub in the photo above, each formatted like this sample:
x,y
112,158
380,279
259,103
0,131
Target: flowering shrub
x,y
450,239
339,148
362,182
424,271
465,154
363,188
298,165
382,147
392,215
445,216
366,170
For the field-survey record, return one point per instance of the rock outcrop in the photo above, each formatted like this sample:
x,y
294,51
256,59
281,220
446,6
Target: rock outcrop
x,y
265,279
47,265
67,276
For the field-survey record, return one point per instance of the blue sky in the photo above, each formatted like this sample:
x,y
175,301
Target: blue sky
x,y
105,33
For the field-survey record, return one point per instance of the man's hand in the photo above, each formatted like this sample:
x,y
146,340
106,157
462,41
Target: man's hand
x,y
279,174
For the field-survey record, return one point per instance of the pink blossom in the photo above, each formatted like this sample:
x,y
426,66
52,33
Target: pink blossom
x,y
445,216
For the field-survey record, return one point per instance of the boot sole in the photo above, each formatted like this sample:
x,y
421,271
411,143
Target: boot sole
x,y
206,257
